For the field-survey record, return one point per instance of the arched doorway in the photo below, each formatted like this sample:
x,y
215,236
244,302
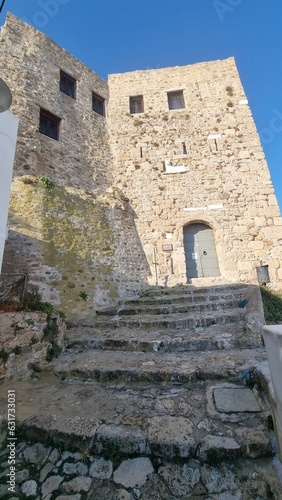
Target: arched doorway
x,y
200,251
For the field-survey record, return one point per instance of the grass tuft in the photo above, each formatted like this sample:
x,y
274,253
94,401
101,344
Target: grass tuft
x,y
272,306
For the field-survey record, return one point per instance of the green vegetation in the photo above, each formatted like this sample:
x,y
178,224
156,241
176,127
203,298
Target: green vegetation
x,y
51,335
53,352
4,355
272,305
35,367
33,302
48,185
83,295
17,350
16,327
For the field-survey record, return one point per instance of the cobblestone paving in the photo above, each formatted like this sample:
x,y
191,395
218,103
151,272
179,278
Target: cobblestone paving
x,y
48,473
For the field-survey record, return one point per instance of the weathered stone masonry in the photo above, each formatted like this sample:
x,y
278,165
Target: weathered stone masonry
x,y
202,163
163,169
31,65
77,242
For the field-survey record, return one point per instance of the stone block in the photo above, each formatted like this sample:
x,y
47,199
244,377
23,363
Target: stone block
x,y
215,449
172,436
133,473
230,400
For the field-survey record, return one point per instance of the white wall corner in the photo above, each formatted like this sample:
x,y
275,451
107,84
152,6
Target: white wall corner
x,y
8,138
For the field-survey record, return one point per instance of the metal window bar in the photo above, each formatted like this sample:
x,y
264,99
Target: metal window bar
x,y
176,100
49,125
67,85
136,104
98,104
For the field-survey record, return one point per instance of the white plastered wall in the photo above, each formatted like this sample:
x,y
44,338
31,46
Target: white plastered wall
x,y
8,138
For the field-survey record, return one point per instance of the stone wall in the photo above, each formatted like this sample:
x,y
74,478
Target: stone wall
x,y
31,65
81,250
24,342
202,163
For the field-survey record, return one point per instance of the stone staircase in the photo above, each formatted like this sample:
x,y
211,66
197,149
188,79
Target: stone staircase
x,y
170,376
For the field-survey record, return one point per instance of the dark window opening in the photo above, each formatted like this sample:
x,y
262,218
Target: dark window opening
x,y
98,104
175,100
49,124
67,85
136,104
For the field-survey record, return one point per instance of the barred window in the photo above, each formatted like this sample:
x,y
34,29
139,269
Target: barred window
x,y
49,124
67,85
136,104
98,104
175,100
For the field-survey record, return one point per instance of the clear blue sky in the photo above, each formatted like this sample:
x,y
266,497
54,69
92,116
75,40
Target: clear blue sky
x,y
113,36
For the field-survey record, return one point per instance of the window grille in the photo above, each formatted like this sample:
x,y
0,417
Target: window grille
x,y
67,85
98,104
49,124
176,100
136,104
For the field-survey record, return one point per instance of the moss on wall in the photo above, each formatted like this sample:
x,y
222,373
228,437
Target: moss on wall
x,y
67,231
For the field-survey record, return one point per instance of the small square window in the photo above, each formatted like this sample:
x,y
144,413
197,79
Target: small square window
x,y
49,124
176,100
67,85
98,104
136,104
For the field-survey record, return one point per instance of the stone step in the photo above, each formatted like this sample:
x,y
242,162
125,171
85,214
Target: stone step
x,y
194,319
132,308
215,337
166,367
182,295
211,422
189,289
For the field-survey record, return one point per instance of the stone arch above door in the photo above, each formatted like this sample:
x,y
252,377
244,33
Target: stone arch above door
x,y
200,251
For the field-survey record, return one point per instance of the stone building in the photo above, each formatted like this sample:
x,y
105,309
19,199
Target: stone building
x,y
188,155
155,176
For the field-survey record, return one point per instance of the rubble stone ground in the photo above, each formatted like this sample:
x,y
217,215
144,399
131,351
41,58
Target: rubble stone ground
x,y
48,473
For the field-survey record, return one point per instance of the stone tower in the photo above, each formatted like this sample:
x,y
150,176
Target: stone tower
x,y
188,155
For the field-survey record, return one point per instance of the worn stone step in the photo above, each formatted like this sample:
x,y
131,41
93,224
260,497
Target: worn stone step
x,y
182,295
200,339
204,290
173,421
174,307
194,319
151,367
